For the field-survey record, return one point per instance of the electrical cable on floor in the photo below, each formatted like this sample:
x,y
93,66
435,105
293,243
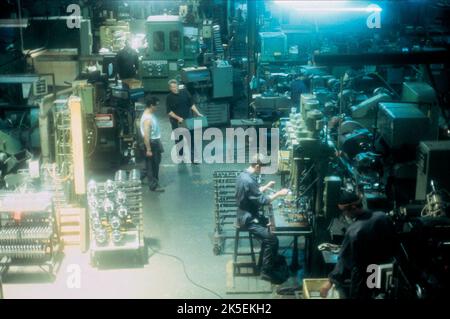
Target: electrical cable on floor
x,y
185,272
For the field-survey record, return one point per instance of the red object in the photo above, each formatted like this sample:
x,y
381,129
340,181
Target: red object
x,y
17,216
104,120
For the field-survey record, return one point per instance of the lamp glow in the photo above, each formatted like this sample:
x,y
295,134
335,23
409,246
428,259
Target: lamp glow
x,y
327,6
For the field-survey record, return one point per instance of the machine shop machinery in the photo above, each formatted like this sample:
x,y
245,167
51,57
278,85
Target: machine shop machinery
x,y
212,89
113,34
171,46
20,96
388,145
110,113
420,270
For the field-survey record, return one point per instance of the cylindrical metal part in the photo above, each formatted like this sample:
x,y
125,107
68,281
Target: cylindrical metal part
x,y
135,175
121,176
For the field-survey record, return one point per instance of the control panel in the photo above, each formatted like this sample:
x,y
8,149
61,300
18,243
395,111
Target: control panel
x,y
154,68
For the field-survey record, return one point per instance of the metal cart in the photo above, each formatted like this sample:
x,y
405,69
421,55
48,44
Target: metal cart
x,y
28,231
131,226
225,208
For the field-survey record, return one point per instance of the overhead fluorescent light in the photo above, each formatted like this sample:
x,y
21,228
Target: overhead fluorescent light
x,y
328,6
302,3
348,9
13,23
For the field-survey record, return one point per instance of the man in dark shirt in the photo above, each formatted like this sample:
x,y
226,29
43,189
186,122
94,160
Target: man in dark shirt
x,y
127,62
250,199
370,239
179,106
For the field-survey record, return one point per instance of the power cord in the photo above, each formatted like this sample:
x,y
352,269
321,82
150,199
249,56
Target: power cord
x,y
185,272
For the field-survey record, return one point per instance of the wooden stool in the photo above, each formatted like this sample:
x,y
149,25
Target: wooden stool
x,y
238,265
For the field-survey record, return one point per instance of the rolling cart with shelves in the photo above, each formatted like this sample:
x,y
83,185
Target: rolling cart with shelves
x,y
28,231
131,229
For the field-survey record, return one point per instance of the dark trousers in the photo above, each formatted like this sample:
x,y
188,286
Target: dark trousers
x,y
269,245
180,138
152,164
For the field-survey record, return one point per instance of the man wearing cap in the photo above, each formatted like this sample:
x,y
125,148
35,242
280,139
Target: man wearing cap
x,y
250,198
370,239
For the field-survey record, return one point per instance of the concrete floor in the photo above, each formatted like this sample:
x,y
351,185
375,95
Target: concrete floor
x,y
179,222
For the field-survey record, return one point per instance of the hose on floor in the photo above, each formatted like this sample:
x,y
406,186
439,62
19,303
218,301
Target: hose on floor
x,y
185,272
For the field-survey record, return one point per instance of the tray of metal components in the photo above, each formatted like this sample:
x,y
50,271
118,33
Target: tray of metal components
x,y
116,215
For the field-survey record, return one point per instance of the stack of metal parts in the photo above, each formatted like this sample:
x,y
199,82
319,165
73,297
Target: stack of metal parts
x,y
225,207
115,210
24,241
29,237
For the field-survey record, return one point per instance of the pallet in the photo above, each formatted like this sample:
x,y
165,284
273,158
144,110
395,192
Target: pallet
x,y
70,222
245,284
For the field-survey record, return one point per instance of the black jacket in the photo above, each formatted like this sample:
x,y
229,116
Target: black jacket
x,y
371,239
127,63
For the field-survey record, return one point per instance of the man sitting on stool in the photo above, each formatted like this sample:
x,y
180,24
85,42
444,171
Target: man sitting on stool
x,y
250,199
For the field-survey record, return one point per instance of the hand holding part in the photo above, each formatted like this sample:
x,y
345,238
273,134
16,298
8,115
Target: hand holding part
x,y
325,288
270,184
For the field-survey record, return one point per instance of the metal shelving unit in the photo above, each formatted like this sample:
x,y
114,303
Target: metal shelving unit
x,y
113,229
28,231
225,208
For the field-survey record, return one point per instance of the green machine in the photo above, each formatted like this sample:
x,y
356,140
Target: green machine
x,y
170,48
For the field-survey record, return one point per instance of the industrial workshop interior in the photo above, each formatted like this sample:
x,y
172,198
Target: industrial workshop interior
x,y
224,149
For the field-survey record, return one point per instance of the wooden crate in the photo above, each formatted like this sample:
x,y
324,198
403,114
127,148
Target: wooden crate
x,y
72,226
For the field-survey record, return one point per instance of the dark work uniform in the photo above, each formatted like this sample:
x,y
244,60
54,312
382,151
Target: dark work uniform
x,y
371,239
249,201
180,104
127,63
